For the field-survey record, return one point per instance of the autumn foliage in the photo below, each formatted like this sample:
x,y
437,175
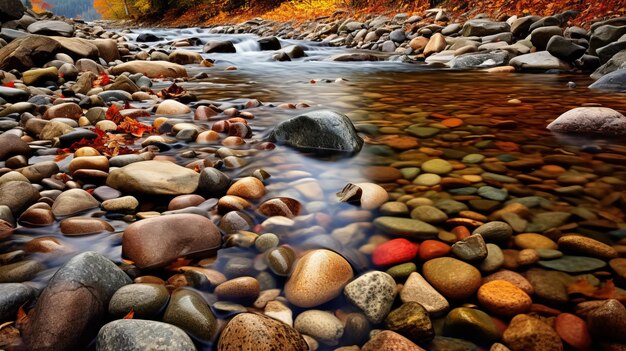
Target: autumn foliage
x,y
40,5
231,11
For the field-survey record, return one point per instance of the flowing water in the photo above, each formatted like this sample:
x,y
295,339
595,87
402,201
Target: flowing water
x,y
502,116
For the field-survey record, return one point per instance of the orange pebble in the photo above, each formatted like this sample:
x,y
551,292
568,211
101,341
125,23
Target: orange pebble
x,y
461,232
430,249
452,122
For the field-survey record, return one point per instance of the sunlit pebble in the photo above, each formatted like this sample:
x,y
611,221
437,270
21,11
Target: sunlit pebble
x,y
231,112
515,101
287,105
246,115
237,120
302,105
221,126
106,125
266,146
159,121
571,85
86,151
207,63
233,141
231,68
207,137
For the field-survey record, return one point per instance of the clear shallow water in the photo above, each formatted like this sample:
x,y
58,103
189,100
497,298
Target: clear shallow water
x,y
500,114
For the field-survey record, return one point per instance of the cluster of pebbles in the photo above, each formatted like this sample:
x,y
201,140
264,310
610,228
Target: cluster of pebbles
x,y
479,243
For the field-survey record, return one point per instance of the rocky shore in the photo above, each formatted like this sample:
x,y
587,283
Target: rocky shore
x,y
133,215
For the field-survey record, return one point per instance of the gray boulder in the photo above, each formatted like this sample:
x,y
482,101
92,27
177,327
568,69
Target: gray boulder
x,y
542,35
606,52
51,28
479,60
618,61
612,81
320,132
538,61
12,296
604,35
11,10
71,309
565,49
590,120
140,335
481,28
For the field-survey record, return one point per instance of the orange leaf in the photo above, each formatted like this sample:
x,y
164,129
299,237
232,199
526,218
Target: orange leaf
x,y
130,314
22,317
133,127
113,114
180,262
507,146
607,291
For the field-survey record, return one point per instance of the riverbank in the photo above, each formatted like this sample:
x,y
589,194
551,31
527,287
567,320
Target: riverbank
x,y
260,186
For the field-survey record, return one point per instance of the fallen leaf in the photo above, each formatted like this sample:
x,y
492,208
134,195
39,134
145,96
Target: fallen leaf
x,y
130,314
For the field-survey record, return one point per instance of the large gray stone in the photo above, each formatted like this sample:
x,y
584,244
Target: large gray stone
x,y
596,120
541,60
482,27
28,52
51,28
73,306
618,61
565,49
141,335
12,296
604,35
319,132
479,60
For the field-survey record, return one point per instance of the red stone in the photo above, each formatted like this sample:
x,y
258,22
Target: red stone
x,y
573,330
394,251
430,249
461,232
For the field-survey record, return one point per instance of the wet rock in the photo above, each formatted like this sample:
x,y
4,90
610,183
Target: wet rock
x,y
471,324
155,242
573,264
138,335
190,312
410,228
608,321
597,120
154,177
172,107
73,201
319,132
78,226
121,204
541,60
586,246
373,293
417,289
317,277
17,196
390,341
145,300
243,290
13,95
573,330
71,308
454,279
247,188
526,333
185,57
147,38
481,27
495,231
13,296
540,37
369,196
565,49
152,69
11,145
269,43
249,331
20,271
215,46
472,248
479,60
321,325
412,320
612,81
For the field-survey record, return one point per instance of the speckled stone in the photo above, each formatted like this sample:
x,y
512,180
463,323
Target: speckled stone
x,y
495,231
374,293
494,259
140,335
512,277
453,278
534,241
73,201
608,321
321,325
586,246
503,298
412,320
472,248
526,333
318,277
248,331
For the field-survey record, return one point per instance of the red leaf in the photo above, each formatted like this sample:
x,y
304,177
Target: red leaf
x,y
113,114
130,314
9,85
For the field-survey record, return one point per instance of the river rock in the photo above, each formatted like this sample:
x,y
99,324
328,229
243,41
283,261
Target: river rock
x,y
374,293
13,296
140,335
565,49
586,246
190,312
483,27
318,277
185,57
453,278
417,289
17,196
172,107
51,28
11,10
412,320
608,321
321,325
155,242
155,178
596,120
215,46
27,52
145,300
405,227
152,69
527,333
71,308
369,196
574,264
11,145
13,95
541,60
503,298
73,201
471,324
573,330
390,341
472,248
248,331
213,183
319,132
78,226
612,81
